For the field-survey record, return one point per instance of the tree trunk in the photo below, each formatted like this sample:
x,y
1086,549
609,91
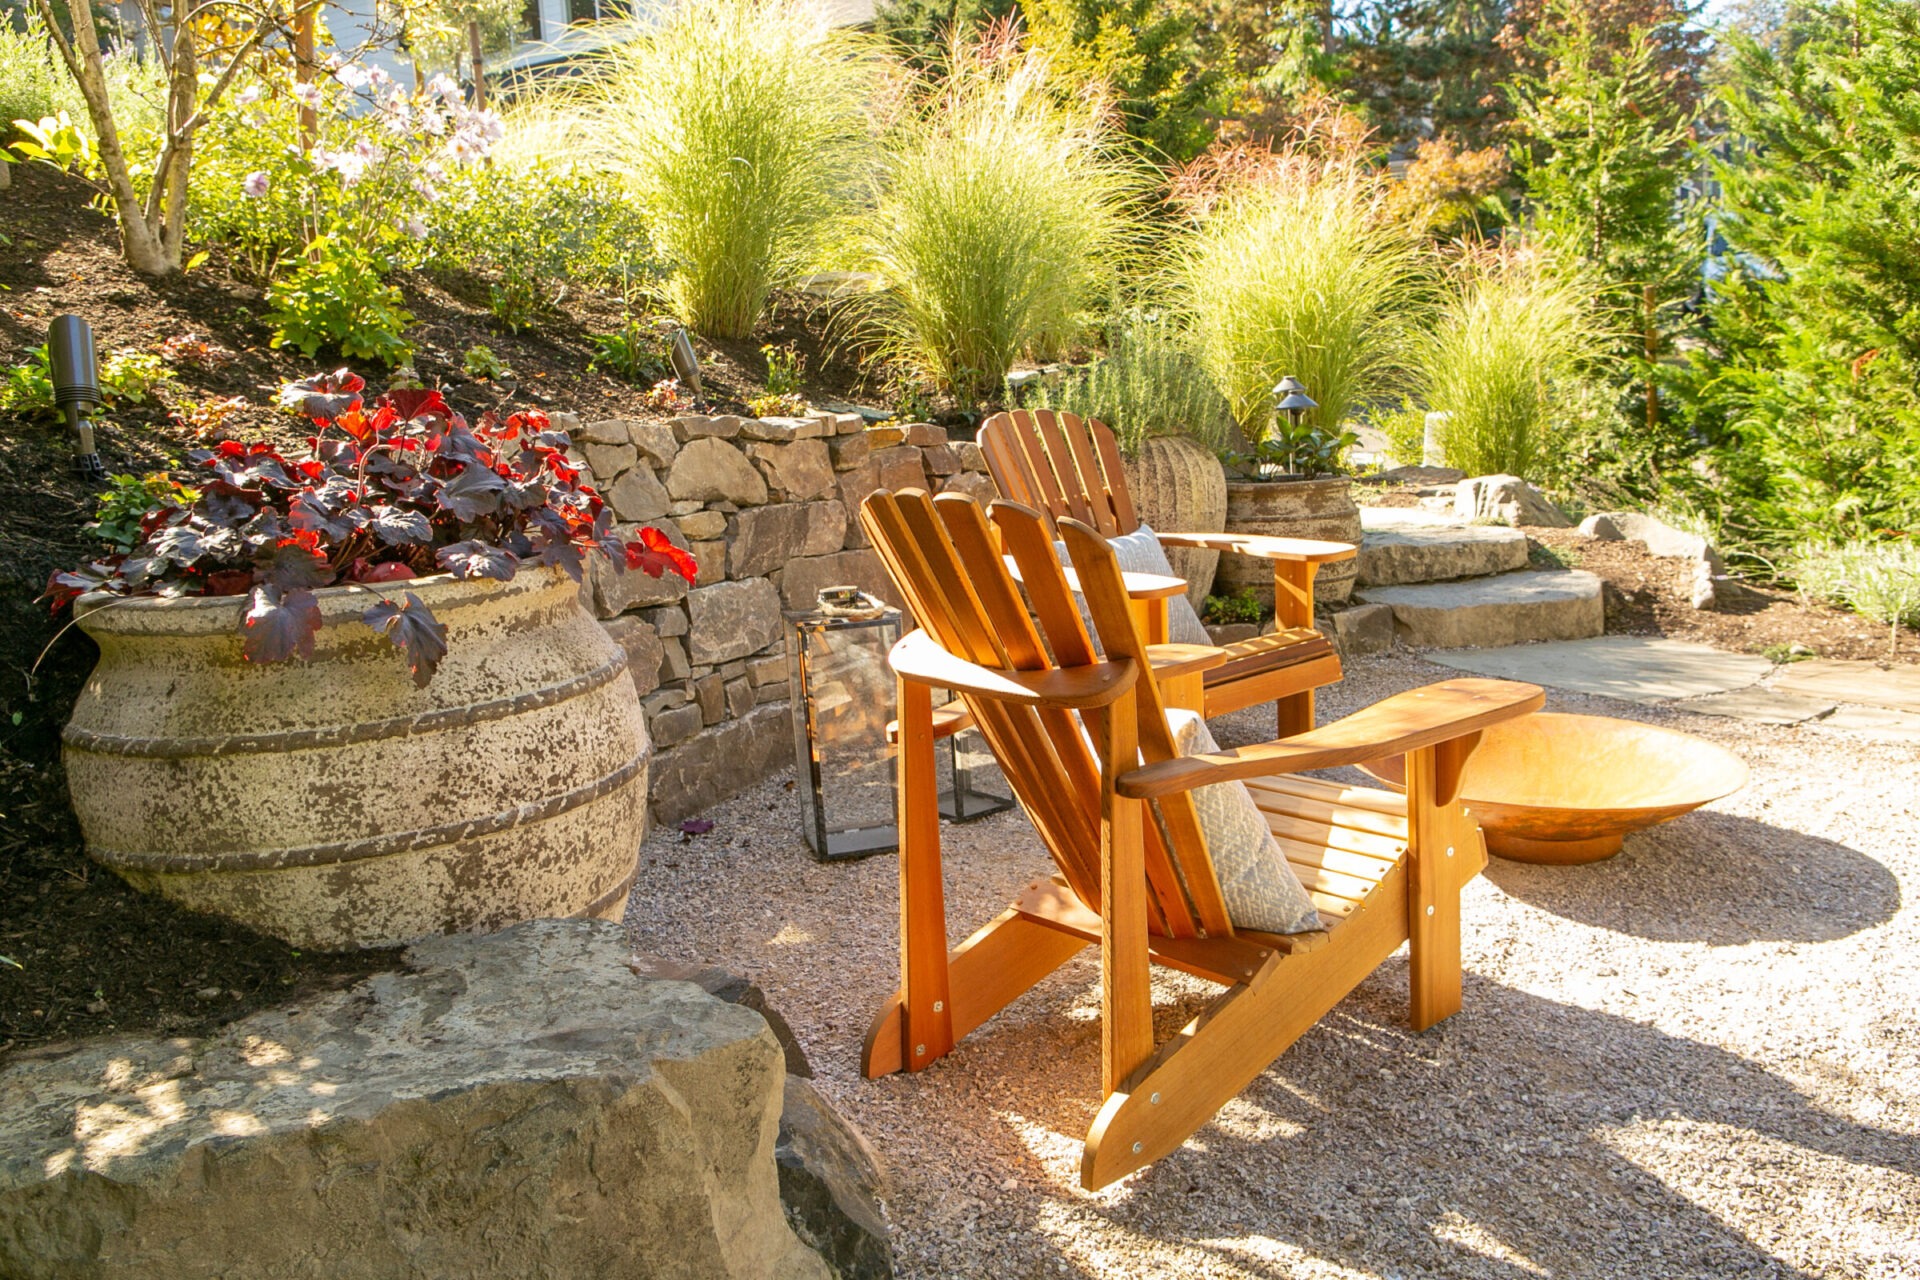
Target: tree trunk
x,y
479,70
303,71
1649,302
139,245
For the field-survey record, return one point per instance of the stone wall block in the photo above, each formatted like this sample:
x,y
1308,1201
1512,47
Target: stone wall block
x,y
802,470
711,470
976,486
696,427
803,577
643,648
607,461
849,452
636,496
730,620
722,761
655,442
765,537
925,435
609,592
972,458
777,430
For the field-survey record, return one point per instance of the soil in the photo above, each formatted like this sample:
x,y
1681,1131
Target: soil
x,y
80,952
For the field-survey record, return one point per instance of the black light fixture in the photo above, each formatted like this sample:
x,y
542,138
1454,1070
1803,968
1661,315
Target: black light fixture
x,y
1291,398
75,366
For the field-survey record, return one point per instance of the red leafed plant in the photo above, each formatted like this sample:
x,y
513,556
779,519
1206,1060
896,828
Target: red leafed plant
x,y
388,492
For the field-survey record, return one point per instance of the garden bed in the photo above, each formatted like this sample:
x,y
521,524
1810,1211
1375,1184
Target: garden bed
x,y
94,955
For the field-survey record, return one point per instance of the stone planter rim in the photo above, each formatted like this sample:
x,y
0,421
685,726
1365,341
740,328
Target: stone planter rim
x,y
216,615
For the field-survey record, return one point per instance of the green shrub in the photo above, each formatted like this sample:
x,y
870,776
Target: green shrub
x,y
1001,214
1879,580
535,226
34,85
30,83
1298,270
1510,335
1150,384
738,127
1241,606
336,298
480,362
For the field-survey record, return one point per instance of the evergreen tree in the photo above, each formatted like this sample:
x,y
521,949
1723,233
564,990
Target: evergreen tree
x,y
1603,150
1814,376
1145,51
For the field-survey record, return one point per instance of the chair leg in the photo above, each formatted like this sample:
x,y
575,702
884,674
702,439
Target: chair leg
x,y
924,981
1444,852
1294,713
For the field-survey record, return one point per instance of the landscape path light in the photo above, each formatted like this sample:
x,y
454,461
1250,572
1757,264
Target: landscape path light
x,y
75,367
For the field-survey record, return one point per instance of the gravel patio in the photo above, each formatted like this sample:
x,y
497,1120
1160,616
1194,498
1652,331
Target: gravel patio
x,y
1697,1059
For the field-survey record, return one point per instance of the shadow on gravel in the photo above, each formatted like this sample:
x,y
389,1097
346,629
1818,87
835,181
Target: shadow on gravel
x,y
1523,1137
1715,878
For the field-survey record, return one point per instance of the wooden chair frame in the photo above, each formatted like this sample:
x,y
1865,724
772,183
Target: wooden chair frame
x,y
1382,869
1069,467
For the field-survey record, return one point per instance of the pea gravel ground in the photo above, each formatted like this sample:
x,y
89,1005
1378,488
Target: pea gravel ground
x,y
1697,1059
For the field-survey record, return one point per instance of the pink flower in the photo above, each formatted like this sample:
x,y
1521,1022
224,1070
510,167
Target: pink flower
x,y
307,95
255,184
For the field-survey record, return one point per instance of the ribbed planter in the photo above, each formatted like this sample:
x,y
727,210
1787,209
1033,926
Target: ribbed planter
x,y
1178,486
334,805
1322,509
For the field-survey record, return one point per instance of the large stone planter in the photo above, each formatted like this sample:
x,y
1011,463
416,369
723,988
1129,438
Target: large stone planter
x,y
1177,486
333,804
1322,509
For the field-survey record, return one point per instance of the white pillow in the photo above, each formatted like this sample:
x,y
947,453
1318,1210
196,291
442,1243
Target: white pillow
x,y
1141,552
1259,886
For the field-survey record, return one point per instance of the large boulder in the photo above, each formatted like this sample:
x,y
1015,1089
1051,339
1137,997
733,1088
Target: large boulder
x,y
1507,500
506,1106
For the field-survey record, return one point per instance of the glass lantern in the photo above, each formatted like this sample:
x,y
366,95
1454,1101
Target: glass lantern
x,y
842,693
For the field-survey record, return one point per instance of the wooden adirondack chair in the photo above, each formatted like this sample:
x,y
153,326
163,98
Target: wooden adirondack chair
x,y
1069,466
1381,868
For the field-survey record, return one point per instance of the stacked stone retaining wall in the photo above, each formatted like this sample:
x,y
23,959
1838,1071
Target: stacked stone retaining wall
x,y
769,508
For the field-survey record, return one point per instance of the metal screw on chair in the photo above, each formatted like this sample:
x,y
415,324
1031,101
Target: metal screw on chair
x,y
1136,1148
919,1051
1449,851
1155,1099
1429,910
940,1006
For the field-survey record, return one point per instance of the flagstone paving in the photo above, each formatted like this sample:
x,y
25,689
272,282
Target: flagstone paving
x,y
1635,668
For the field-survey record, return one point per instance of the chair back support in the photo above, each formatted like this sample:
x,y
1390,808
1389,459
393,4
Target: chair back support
x,y
943,556
1062,464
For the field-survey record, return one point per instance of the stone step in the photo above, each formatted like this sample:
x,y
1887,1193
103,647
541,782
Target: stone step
x,y
1412,554
1487,613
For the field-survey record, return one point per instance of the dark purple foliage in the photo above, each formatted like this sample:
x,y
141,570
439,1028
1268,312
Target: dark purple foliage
x,y
387,493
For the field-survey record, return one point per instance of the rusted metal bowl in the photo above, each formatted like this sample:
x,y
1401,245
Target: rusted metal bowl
x,y
1565,788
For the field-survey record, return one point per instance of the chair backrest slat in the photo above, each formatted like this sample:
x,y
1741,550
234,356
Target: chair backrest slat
x,y
1120,636
1066,465
1041,765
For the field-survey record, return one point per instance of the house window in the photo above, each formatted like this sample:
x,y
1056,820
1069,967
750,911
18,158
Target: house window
x,y
530,20
598,10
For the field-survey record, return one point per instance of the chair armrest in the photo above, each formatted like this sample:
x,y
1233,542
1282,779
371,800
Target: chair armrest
x,y
919,658
1171,660
1394,726
1309,550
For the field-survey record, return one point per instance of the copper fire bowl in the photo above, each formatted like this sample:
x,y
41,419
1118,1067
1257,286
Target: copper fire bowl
x,y
1565,788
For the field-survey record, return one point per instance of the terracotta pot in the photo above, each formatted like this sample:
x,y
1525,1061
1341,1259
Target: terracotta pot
x,y
1177,486
334,805
1323,509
